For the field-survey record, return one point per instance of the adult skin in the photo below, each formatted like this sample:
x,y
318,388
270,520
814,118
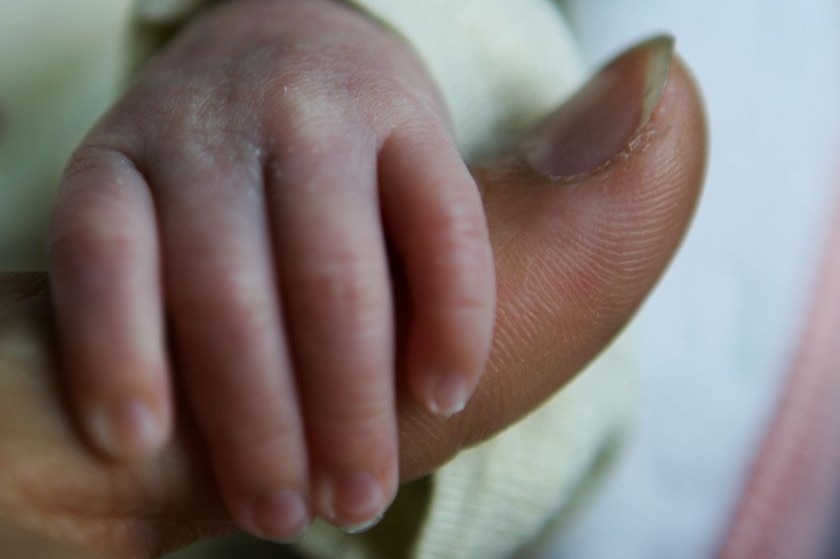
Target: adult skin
x,y
575,257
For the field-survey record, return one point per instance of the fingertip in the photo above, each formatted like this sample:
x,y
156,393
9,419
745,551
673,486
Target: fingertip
x,y
447,354
266,490
354,502
279,516
444,394
127,431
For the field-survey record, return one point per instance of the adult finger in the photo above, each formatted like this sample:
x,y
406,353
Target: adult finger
x,y
583,222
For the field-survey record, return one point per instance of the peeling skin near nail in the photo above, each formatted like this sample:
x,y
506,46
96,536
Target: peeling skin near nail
x,y
640,142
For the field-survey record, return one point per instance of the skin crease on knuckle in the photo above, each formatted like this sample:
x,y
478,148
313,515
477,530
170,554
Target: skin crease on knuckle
x,y
89,237
381,76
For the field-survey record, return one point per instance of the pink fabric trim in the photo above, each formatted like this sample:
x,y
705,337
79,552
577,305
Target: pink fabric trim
x,y
793,490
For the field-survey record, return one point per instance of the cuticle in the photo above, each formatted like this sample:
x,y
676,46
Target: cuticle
x,y
638,141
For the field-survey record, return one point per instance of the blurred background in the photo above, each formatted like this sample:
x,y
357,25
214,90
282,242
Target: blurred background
x,y
50,93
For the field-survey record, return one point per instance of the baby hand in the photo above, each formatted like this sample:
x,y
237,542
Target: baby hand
x,y
233,218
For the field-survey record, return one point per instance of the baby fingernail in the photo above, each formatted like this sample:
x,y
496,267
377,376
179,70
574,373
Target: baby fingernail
x,y
280,517
129,431
364,526
606,115
355,503
448,394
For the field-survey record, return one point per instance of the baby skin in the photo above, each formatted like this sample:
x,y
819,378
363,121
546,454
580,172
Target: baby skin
x,y
233,226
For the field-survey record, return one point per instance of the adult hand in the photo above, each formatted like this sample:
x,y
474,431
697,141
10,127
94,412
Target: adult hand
x,y
583,223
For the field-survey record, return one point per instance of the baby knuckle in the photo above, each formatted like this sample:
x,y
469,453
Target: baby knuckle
x,y
410,108
464,300
464,237
341,285
244,328
90,244
374,99
466,307
94,159
195,115
365,455
242,315
264,436
305,123
85,161
364,87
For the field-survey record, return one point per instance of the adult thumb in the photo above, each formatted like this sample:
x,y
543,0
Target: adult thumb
x,y
584,219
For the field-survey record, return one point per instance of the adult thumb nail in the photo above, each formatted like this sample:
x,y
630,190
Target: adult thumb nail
x,y
602,120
